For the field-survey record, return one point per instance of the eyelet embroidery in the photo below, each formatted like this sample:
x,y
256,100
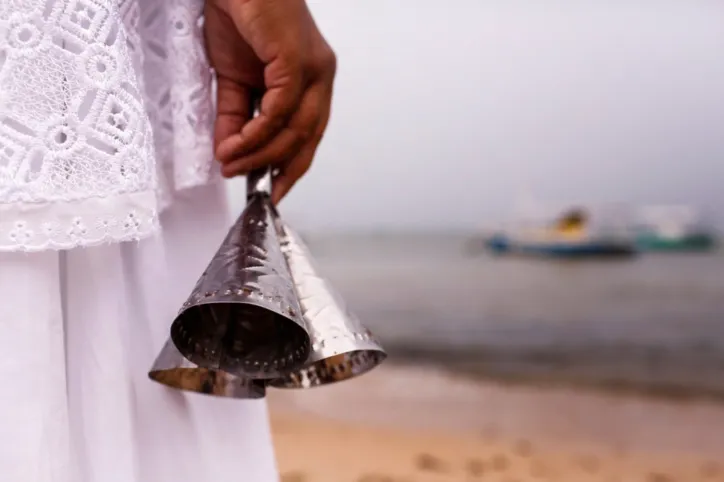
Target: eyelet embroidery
x,y
102,99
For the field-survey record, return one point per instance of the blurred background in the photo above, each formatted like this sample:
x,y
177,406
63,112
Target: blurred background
x,y
524,201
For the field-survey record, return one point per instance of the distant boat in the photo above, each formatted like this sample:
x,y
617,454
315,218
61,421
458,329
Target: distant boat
x,y
698,242
568,237
674,228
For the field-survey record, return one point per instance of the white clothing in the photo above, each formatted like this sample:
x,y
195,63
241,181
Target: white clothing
x,y
81,328
105,122
105,111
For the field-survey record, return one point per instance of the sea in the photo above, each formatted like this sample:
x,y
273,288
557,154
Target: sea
x,y
652,324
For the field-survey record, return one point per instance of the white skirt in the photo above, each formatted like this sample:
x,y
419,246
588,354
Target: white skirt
x,y
80,330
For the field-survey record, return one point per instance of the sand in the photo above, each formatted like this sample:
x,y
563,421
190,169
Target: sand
x,y
418,425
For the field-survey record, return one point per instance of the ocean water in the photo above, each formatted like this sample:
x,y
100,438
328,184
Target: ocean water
x,y
652,324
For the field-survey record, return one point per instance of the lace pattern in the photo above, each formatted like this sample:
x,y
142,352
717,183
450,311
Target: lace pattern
x,y
166,42
90,222
105,111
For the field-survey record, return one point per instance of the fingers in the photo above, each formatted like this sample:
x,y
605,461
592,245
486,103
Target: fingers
x,y
261,129
302,128
290,173
234,110
279,102
284,146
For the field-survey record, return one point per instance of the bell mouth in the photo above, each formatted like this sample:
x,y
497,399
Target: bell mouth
x,y
241,339
332,369
209,382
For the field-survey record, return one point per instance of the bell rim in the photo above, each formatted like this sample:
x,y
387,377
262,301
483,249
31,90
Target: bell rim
x,y
249,369
248,390
380,357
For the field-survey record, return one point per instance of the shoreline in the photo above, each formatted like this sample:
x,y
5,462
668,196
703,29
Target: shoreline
x,y
413,424
654,383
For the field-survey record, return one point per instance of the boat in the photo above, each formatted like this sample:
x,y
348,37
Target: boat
x,y
570,236
674,229
697,242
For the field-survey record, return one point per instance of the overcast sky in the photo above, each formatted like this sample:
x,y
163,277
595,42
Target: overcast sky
x,y
446,113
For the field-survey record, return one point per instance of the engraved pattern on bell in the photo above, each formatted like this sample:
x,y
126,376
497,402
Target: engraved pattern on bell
x,y
243,316
342,347
175,371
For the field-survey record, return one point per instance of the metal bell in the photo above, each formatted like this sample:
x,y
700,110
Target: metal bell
x,y
175,371
243,317
342,347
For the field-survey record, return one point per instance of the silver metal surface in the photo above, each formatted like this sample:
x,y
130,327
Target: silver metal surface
x,y
258,182
243,316
175,371
342,347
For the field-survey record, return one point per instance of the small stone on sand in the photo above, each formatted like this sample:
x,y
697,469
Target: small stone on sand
x,y
430,463
475,467
658,477
523,448
375,478
294,477
500,463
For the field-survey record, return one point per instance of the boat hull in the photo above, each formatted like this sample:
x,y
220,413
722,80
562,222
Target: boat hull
x,y
591,249
690,243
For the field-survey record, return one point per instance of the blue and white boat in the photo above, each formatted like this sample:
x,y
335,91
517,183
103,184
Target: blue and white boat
x,y
570,236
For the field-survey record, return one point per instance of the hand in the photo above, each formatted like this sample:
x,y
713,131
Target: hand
x,y
272,49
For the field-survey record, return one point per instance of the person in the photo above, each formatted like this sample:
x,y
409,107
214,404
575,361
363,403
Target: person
x,y
113,114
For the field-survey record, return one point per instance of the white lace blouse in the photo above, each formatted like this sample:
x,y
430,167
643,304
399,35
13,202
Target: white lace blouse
x,y
105,111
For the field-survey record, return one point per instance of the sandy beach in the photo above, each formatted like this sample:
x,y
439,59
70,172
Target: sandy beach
x,y
401,424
